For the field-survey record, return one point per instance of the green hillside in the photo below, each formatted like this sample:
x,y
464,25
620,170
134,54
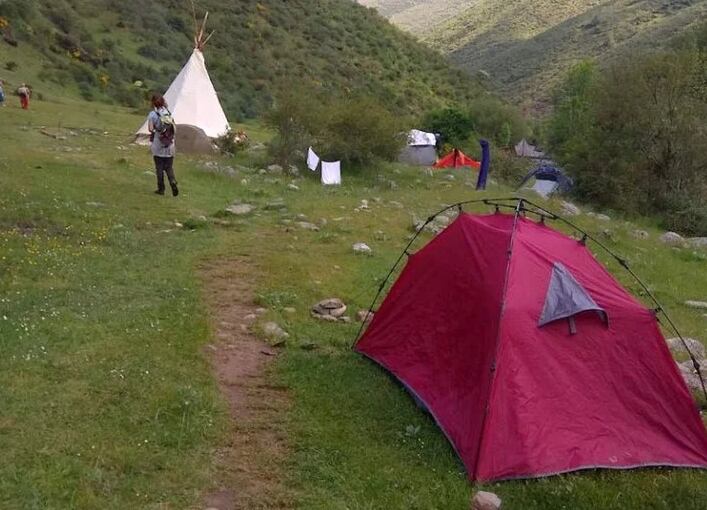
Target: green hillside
x,y
120,51
527,46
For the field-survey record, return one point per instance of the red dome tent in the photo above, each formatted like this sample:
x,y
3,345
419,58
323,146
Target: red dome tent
x,y
531,357
456,159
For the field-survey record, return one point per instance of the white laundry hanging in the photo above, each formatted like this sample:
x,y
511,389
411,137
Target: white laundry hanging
x,y
312,160
331,172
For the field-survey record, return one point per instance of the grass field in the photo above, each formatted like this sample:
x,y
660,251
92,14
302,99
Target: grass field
x,y
107,398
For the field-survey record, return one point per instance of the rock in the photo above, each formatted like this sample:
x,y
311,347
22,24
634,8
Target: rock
x,y
392,184
95,204
346,319
428,172
260,311
293,171
364,205
687,370
273,331
308,346
436,226
240,209
293,187
696,347
640,234
569,209
450,177
603,217
250,317
332,307
274,169
672,239
395,204
485,501
307,226
329,318
362,248
697,242
380,235
244,182
276,205
289,310
364,316
696,304
262,171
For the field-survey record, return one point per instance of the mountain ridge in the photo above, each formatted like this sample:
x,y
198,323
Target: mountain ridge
x,y
526,47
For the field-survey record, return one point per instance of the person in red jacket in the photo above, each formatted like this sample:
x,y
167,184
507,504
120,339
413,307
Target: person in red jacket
x,y
24,93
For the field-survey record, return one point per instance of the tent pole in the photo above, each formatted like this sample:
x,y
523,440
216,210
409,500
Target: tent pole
x,y
624,263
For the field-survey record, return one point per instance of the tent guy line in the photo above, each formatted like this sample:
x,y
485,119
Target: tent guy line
x,y
543,213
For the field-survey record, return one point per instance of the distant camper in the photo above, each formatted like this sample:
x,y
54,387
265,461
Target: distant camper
x,y
162,134
2,94
24,92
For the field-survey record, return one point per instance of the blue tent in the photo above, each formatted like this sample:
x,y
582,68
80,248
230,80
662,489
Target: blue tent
x,y
548,180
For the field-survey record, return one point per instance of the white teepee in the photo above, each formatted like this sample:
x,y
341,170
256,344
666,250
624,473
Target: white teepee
x,y
192,98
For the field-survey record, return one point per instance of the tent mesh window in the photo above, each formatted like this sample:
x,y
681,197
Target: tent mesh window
x,y
566,298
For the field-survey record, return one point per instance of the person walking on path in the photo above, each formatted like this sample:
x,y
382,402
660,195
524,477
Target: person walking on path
x,y
24,92
2,94
162,133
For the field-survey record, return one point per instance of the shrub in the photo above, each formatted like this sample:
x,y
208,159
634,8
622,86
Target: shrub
x,y
633,138
355,130
11,66
453,124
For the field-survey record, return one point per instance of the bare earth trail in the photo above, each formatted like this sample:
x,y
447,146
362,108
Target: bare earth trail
x,y
251,463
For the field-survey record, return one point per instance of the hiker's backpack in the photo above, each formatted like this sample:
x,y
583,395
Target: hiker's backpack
x,y
166,128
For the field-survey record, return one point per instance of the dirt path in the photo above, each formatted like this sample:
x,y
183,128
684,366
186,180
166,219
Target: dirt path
x,y
251,464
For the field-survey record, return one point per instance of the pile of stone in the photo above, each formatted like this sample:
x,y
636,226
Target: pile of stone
x,y
331,310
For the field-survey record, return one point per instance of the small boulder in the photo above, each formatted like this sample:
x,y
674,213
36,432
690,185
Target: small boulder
x,y
485,501
569,209
332,307
640,234
696,347
293,187
450,177
603,217
275,169
240,209
362,248
276,205
687,370
293,171
364,316
672,239
697,304
274,332
305,225
697,242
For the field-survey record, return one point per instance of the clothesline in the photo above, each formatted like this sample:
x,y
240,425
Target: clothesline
x,y
331,170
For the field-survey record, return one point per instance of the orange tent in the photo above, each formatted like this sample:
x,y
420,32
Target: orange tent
x,y
456,159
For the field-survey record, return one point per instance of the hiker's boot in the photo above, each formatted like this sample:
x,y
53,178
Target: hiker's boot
x,y
175,189
159,192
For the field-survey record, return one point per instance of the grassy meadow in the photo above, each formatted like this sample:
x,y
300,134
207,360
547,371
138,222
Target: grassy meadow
x,y
106,397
